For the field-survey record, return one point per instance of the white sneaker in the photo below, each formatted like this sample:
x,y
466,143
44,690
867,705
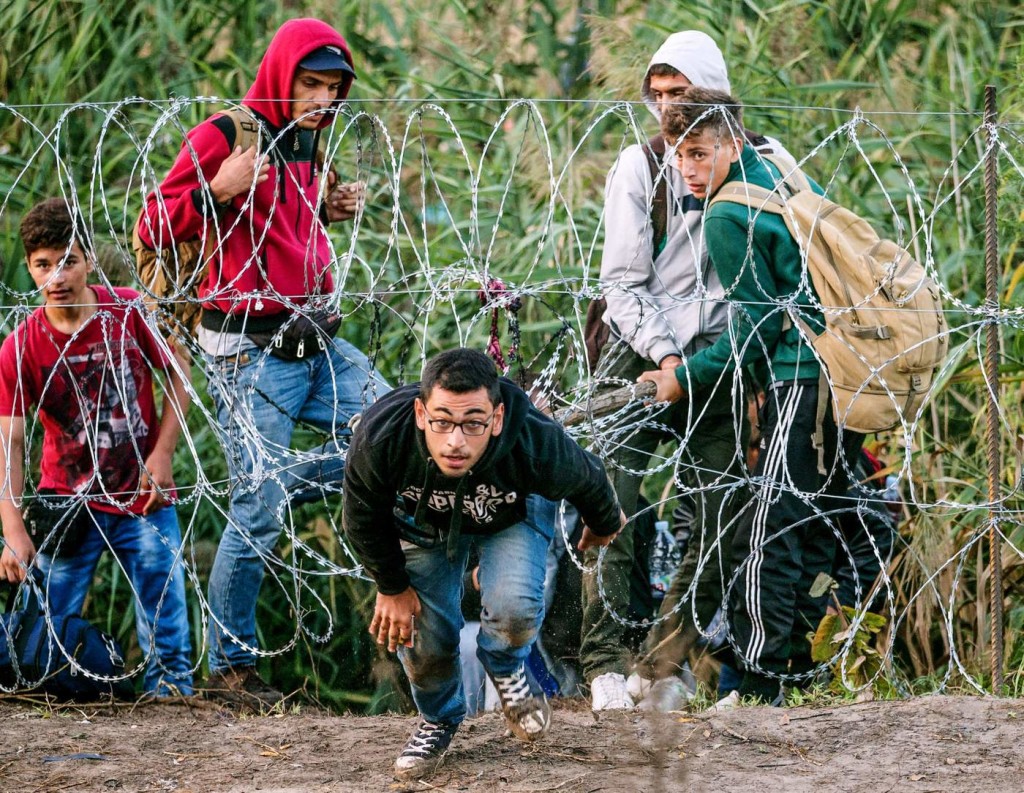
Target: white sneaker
x,y
608,692
730,701
638,687
667,695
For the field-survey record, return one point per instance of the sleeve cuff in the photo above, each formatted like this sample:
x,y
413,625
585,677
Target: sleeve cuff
x,y
203,206
684,377
662,350
394,584
606,532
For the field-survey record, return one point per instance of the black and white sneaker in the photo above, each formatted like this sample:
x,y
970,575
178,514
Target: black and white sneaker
x,y
527,712
425,750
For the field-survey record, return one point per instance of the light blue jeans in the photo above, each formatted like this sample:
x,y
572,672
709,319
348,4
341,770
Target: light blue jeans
x,y
512,566
149,550
259,399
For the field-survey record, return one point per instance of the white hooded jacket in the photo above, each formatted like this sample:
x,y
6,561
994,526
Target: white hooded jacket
x,y
673,304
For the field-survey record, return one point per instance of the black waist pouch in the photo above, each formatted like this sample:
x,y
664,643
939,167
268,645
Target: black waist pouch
x,y
57,524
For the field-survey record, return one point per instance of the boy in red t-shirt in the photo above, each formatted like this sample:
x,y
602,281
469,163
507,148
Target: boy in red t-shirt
x,y
85,361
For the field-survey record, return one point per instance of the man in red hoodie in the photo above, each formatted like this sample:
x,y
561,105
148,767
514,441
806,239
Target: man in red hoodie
x,y
269,317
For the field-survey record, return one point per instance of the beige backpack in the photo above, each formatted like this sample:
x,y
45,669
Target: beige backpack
x,y
885,334
170,275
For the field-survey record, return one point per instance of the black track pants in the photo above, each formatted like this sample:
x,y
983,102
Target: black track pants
x,y
787,533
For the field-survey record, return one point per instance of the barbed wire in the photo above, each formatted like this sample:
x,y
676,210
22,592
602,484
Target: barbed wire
x,y
455,205
539,101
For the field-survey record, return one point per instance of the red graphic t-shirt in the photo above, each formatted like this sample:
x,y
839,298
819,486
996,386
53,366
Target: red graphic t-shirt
x,y
94,394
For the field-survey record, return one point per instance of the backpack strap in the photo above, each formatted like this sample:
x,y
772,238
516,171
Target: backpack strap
x,y
654,149
792,176
245,125
791,181
757,140
818,438
248,129
750,195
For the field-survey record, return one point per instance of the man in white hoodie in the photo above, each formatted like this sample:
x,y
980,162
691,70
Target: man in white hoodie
x,y
664,302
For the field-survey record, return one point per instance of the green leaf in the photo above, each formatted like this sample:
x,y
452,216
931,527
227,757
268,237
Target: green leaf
x,y
821,642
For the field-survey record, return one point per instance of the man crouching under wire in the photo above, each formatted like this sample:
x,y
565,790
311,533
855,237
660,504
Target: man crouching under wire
x,y
462,452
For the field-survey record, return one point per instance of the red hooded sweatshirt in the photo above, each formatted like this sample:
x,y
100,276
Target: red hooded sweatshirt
x,y
275,250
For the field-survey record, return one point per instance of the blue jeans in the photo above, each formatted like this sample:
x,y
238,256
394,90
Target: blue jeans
x,y
149,550
512,564
258,399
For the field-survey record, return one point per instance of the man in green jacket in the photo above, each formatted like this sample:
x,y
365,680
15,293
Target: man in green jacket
x,y
786,534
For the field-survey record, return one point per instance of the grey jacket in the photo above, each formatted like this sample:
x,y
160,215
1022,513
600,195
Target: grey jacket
x,y
672,303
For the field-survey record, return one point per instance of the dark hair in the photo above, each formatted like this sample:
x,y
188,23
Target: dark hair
x,y
702,110
460,371
50,224
663,70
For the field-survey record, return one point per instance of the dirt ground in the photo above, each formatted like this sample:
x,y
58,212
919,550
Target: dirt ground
x,y
927,744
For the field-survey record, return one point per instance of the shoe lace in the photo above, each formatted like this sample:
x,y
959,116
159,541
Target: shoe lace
x,y
514,688
428,739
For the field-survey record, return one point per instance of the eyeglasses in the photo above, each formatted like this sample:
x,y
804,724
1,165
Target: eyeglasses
x,y
472,427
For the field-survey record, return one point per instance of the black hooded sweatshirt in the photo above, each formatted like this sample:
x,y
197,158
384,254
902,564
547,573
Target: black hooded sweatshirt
x,y
388,458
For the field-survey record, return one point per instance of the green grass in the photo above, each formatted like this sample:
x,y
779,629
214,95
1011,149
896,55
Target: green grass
x,y
917,69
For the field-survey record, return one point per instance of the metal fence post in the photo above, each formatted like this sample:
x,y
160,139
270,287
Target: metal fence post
x,y
992,382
